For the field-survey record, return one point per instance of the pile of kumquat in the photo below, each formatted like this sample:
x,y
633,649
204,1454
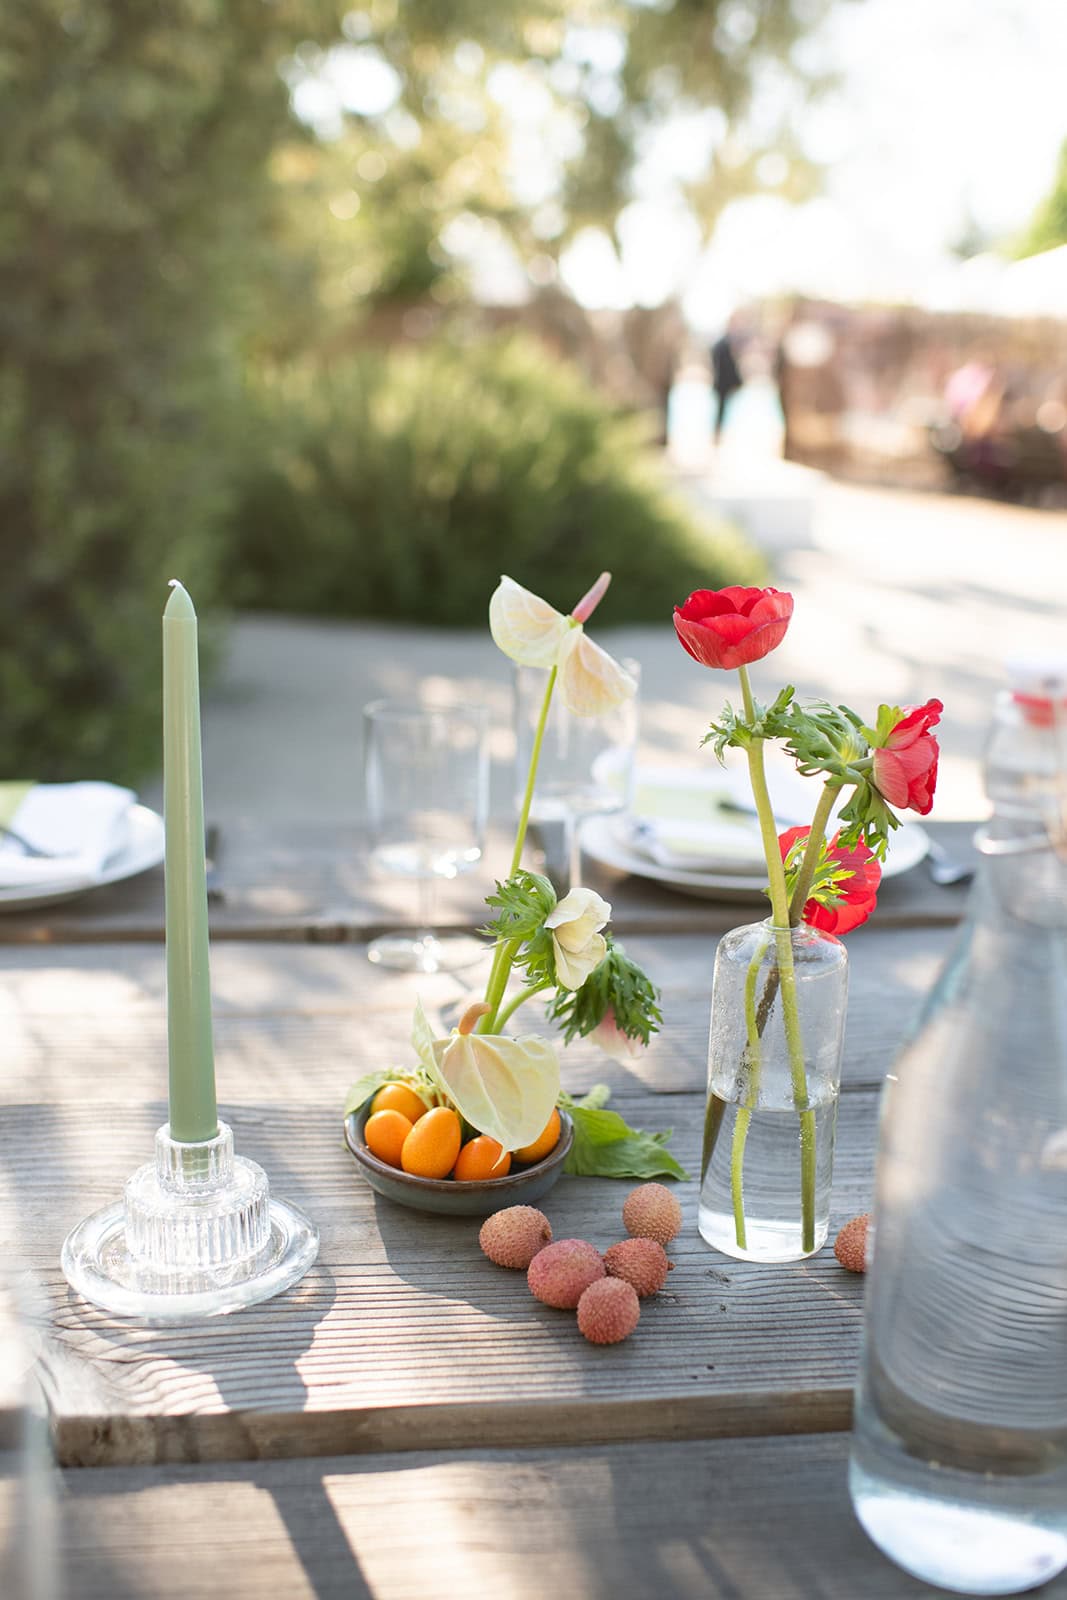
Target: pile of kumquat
x,y
428,1142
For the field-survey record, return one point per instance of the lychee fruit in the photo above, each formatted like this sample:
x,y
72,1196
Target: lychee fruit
x,y
652,1212
560,1272
642,1263
850,1246
513,1237
608,1311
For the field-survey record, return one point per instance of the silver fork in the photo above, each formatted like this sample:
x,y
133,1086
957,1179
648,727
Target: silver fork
x,y
945,869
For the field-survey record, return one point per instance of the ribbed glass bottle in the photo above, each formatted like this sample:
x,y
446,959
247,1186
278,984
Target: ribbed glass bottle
x,y
959,1456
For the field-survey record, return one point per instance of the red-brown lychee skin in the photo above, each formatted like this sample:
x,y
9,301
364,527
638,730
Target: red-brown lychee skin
x,y
652,1212
642,1263
850,1246
513,1237
560,1273
608,1311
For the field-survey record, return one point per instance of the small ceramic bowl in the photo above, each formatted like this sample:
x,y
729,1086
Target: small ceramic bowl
x,y
522,1186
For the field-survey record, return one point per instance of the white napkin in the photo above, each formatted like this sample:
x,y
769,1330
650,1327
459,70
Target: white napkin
x,y
704,821
80,825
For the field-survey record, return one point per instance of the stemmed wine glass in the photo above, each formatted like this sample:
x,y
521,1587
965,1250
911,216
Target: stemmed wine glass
x,y
426,772
586,766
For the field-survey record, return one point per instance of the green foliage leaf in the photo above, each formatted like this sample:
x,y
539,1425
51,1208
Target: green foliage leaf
x,y
618,985
821,738
867,819
363,1088
522,903
735,730
605,1146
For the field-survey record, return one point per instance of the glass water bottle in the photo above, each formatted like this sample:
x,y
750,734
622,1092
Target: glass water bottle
x,y
959,1454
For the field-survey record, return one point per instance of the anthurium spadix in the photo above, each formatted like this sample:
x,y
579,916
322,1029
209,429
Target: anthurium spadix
x,y
535,634
504,1087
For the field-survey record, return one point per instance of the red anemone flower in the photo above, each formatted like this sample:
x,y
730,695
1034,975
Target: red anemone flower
x,y
730,627
856,896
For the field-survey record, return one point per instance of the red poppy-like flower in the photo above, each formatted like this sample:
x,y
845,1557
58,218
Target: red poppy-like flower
x,y
731,627
905,768
856,896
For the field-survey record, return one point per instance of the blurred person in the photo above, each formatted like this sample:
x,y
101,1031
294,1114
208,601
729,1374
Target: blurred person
x,y
726,376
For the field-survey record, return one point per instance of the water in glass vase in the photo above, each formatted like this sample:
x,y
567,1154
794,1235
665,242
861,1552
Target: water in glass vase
x,y
750,1192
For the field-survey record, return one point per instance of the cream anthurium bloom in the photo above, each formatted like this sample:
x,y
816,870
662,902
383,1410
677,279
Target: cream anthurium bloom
x,y
503,1087
535,634
577,943
524,626
590,681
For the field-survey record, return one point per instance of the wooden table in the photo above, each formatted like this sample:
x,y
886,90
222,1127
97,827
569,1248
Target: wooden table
x,y
409,1421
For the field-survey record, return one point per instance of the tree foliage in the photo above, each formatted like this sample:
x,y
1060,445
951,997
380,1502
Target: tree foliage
x,y
167,225
134,198
531,118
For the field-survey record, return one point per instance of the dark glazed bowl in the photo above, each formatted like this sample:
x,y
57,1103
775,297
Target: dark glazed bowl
x,y
444,1196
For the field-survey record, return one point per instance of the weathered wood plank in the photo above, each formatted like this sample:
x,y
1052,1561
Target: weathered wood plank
x,y
295,1021
404,1336
307,883
738,1519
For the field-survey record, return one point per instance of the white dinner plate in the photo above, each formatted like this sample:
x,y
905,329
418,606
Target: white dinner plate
x,y
605,839
141,849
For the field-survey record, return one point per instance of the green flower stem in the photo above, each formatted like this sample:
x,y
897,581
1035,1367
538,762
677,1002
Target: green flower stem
x,y
784,942
520,999
799,898
744,1115
506,950
531,776
810,858
498,982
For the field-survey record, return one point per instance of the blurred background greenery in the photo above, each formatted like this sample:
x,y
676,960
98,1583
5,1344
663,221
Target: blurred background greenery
x,y
241,344
245,337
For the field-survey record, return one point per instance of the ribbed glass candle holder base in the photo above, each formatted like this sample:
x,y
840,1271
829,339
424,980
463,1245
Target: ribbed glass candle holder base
x,y
196,1235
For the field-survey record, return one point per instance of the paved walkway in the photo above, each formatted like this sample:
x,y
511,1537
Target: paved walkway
x,y
900,597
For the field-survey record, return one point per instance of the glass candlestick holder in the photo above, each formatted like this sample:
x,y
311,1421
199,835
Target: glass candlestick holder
x,y
195,1235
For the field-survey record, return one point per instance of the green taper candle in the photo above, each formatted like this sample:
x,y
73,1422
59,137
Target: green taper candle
x,y
193,1112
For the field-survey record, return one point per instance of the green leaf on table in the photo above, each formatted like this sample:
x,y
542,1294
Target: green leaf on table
x,y
605,1146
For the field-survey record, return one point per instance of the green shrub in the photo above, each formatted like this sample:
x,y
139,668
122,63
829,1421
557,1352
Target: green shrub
x,y
133,204
402,485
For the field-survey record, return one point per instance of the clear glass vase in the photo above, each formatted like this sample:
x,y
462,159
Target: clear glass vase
x,y
774,1066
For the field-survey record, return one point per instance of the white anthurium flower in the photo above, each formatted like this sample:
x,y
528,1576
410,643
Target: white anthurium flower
x,y
503,1087
524,626
578,946
590,681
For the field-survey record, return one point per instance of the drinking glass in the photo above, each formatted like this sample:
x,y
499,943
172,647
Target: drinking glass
x,y
426,773
587,763
29,1565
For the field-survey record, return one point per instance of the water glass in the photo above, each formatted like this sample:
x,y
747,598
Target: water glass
x,y
586,766
426,773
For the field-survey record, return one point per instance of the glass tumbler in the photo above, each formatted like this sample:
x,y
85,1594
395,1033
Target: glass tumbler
x,y
586,767
426,774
